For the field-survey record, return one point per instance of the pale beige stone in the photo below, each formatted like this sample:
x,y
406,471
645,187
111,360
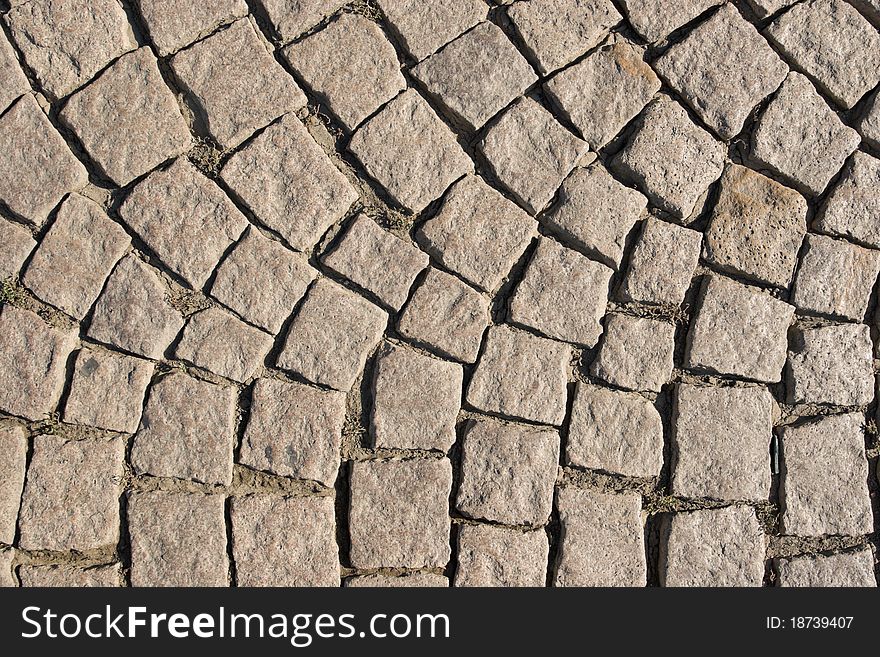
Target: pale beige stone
x,y
635,353
655,20
662,264
173,24
13,457
498,556
831,365
7,578
13,82
414,580
852,207
425,27
70,576
845,569
16,246
290,18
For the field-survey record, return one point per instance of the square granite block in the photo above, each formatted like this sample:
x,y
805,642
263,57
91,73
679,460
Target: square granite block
x,y
869,122
635,353
173,24
500,557
424,27
412,580
655,20
290,18
13,82
17,244
64,576
831,365
13,459
852,207
847,569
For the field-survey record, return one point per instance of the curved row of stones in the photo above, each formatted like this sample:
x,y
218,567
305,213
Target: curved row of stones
x,y
502,295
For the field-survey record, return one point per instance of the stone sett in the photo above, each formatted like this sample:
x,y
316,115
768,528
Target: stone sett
x,y
75,257
423,28
416,400
13,457
71,495
498,556
824,478
831,365
13,82
285,541
853,205
177,539
602,539
614,431
521,375
869,123
415,580
739,331
289,184
15,248
7,579
70,576
838,570
635,353
294,430
173,24
507,473
655,20
290,18
127,119
187,431
713,547
399,514
234,83
562,294
107,390
331,336
764,8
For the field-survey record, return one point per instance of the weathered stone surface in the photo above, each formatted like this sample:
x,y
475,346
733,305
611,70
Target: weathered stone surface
x,y
177,539
869,123
294,430
13,82
13,457
835,278
411,498
763,8
797,125
290,18
75,257
596,213
662,263
331,336
288,182
824,473
497,556
614,431
521,375
417,580
33,356
36,167
852,208
107,390
671,159
870,9
739,330
66,43
636,353
235,84
127,118
447,315
714,547
185,219
562,294
377,261
602,539
16,246
71,576
289,541
132,312
833,44
173,24
71,496
846,569
416,400
7,579
602,93
186,431
655,20
425,27
413,177
467,80
530,153
832,365
756,228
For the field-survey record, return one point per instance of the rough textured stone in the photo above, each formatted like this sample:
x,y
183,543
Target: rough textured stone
x,y
294,430
497,556
614,431
75,257
186,431
602,539
185,219
739,330
284,542
132,312
835,278
869,123
13,456
870,9
71,576
477,233
714,547
824,475
127,118
662,263
415,400
832,365
416,580
447,315
177,539
71,496
764,8
655,20
530,153
846,569
33,356
797,125
107,390
756,228
288,182
671,159
604,92
173,24
413,177
13,82
411,498
521,375
562,294
425,27
235,84
290,18
16,246
331,336
7,579
36,167
636,353
852,208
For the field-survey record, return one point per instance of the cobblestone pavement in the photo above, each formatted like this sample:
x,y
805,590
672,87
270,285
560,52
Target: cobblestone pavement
x,y
546,292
